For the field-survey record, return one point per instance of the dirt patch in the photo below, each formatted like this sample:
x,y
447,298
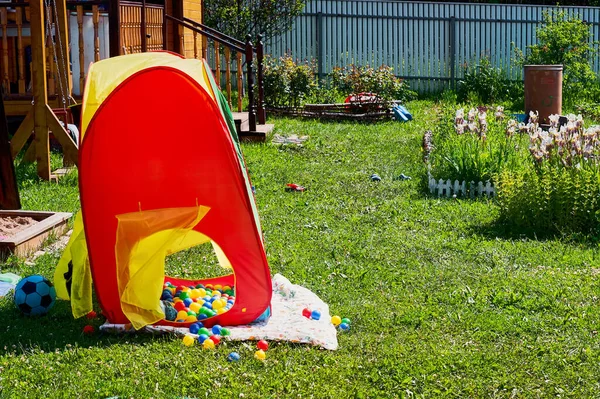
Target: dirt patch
x,y
9,226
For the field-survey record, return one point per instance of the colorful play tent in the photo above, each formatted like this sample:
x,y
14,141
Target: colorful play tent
x,y
160,171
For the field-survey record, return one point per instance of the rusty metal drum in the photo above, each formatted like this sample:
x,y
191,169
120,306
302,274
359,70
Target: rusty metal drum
x,y
543,90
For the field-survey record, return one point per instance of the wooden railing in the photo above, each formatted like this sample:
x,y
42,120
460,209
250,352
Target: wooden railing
x,y
136,27
217,49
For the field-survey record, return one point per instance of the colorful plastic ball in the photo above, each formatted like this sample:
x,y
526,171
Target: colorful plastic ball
x,y
260,355
306,313
202,338
91,315
315,315
208,344
199,285
190,319
344,327
346,320
187,302
218,304
194,328
262,345
225,332
233,357
202,316
184,295
218,287
216,329
207,305
195,307
88,330
222,310
336,320
188,340
179,306
215,339
209,286
204,331
182,314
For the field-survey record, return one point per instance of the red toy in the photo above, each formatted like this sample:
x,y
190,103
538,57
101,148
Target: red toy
x,y
262,345
294,187
88,330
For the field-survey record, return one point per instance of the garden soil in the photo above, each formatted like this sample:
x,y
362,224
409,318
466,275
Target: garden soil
x,y
10,226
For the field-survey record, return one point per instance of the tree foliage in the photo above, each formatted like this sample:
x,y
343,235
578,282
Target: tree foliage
x,y
239,18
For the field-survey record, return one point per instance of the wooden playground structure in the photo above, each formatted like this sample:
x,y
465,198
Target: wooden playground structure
x,y
47,45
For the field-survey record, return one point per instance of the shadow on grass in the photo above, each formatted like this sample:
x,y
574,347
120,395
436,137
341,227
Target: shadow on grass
x,y
507,231
55,330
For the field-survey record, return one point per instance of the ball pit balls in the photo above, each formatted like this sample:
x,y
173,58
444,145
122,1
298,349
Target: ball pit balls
x,y
306,313
208,344
195,303
205,331
225,332
336,320
344,327
260,355
216,329
346,320
233,357
188,340
315,315
262,345
202,338
194,328
215,339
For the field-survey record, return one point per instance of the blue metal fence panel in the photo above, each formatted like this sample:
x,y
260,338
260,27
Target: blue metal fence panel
x,y
428,44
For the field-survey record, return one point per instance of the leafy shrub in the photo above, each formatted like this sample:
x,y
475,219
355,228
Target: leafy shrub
x,y
560,192
287,83
484,84
564,40
476,148
354,79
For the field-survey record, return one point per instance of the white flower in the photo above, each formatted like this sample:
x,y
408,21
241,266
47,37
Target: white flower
x,y
471,115
554,118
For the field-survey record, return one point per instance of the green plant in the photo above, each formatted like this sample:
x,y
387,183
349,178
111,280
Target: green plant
x,y
561,191
484,84
287,83
381,81
474,148
564,40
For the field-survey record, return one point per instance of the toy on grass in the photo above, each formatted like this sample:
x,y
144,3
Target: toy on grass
x,y
216,329
375,177
315,315
306,313
194,328
91,315
294,187
344,327
346,320
233,357
260,355
188,340
88,330
34,295
262,345
215,338
208,344
202,338
336,320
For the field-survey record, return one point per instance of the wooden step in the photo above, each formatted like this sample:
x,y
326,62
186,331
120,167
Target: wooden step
x,y
242,125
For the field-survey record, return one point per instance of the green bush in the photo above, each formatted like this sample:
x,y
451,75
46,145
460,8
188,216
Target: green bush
x,y
365,79
564,40
475,148
484,84
287,83
560,192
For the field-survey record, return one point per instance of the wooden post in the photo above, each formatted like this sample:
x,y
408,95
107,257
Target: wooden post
x,y
5,78
262,115
20,52
250,80
228,74
143,27
240,84
114,26
40,85
95,22
9,191
62,27
81,48
217,63
164,29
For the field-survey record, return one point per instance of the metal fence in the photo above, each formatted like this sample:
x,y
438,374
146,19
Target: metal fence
x,y
426,43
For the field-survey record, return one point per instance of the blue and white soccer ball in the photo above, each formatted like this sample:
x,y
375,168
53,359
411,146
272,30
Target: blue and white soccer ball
x,y
34,295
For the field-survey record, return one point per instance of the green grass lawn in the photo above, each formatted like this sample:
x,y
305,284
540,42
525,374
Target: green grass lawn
x,y
443,302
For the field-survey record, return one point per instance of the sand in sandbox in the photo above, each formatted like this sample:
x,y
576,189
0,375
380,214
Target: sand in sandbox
x,y
9,225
